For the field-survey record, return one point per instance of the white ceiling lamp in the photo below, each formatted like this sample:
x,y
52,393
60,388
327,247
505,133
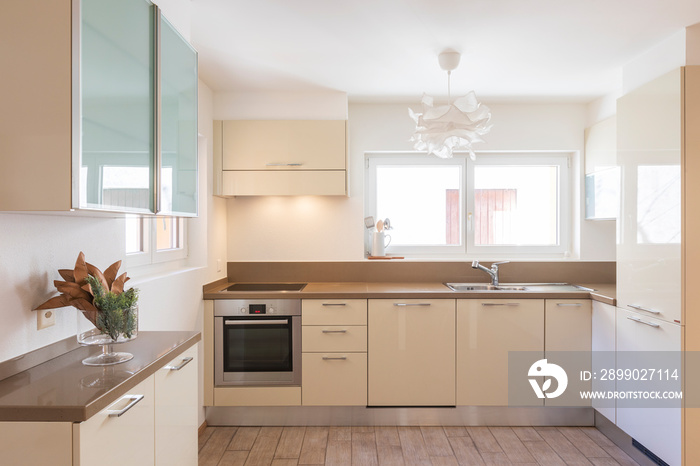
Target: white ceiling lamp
x,y
456,126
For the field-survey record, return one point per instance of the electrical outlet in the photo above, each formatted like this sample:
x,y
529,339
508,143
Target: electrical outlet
x,y
45,318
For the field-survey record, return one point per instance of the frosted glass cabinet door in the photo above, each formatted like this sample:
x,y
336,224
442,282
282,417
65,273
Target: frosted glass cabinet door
x,y
178,175
117,105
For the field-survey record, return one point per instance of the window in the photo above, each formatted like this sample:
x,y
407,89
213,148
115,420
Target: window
x,y
497,205
150,240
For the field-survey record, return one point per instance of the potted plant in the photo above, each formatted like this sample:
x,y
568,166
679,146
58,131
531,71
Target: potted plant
x,y
101,299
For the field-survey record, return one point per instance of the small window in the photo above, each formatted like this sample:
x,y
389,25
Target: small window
x,y
499,204
151,240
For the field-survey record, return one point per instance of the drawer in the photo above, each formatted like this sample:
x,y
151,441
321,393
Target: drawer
x,y
334,312
352,338
334,379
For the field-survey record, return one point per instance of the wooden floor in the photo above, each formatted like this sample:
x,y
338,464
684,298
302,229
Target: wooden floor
x,y
437,446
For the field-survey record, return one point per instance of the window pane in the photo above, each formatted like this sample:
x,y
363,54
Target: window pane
x,y
422,201
516,205
168,233
134,235
126,187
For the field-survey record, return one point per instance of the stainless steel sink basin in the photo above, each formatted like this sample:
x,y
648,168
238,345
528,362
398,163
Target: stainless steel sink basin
x,y
483,287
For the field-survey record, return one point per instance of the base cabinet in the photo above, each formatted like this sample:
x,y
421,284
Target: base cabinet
x,y
176,417
121,434
603,354
487,330
658,429
154,423
411,352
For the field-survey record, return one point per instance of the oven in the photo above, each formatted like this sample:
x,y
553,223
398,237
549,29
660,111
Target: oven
x,y
257,342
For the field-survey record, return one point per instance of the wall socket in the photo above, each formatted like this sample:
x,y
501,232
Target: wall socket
x,y
45,318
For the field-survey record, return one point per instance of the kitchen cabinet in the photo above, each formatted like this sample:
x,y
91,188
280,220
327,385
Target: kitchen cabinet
x,y
83,127
411,352
121,434
334,352
567,342
153,423
281,157
176,417
487,330
649,141
603,354
641,342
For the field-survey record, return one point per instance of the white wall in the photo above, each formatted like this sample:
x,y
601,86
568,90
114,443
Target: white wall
x,y
331,228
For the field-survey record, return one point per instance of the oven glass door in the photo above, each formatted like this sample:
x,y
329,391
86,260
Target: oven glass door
x,y
260,344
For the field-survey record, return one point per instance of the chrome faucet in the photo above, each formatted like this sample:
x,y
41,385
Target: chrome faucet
x,y
493,271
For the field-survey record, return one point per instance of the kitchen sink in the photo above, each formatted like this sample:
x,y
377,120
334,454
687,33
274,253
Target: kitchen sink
x,y
266,287
483,287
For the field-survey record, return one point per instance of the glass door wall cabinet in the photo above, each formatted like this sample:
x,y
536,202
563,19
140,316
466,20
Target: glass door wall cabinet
x,y
101,110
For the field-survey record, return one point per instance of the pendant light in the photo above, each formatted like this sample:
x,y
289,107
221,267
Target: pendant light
x,y
440,130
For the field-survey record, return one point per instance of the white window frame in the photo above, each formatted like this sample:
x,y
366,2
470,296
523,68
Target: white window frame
x,y
560,159
150,253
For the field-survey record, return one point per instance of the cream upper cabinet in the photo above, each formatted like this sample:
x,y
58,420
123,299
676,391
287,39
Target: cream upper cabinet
x,y
101,111
411,349
487,330
281,157
649,129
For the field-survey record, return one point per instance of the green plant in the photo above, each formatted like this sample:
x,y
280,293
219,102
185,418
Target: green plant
x,y
116,311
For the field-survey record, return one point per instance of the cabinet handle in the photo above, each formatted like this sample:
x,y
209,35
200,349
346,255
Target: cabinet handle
x,y
637,319
569,304
334,331
282,164
184,362
134,399
334,358
500,304
640,308
333,304
411,304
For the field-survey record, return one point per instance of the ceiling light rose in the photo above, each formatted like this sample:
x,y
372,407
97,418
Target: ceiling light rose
x,y
456,126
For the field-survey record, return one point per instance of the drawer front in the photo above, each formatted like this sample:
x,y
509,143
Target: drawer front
x,y
334,379
352,338
334,312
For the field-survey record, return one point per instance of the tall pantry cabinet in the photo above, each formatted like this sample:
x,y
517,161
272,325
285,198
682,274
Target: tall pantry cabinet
x,y
658,255
99,109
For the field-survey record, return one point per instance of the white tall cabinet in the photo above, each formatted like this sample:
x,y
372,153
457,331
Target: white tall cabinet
x,y
658,150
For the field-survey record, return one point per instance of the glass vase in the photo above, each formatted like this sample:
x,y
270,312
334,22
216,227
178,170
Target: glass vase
x,y
109,329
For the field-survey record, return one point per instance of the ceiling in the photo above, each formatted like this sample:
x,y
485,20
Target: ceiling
x,y
384,50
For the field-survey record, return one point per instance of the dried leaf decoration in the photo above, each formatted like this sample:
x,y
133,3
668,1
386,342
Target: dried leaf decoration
x,y
75,290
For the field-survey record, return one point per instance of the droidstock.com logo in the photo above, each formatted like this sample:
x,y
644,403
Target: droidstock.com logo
x,y
549,371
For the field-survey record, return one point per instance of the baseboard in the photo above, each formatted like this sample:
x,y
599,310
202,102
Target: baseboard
x,y
202,427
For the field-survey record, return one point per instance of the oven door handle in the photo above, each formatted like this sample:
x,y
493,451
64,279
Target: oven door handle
x,y
256,322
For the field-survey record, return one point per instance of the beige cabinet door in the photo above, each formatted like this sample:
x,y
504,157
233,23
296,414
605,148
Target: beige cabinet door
x,y
176,417
284,145
411,351
334,379
122,433
487,330
568,324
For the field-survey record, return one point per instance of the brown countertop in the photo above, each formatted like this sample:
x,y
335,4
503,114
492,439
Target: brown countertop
x,y
417,290
63,389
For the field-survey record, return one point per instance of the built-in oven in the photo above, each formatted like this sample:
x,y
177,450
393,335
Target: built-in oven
x,y
257,342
